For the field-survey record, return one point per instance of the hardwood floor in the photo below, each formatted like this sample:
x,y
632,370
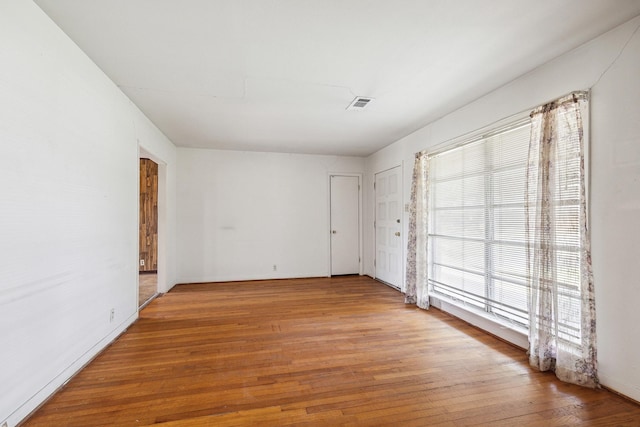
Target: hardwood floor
x,y
147,287
340,351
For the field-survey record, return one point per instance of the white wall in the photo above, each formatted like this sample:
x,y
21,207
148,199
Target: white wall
x,y
615,177
615,219
239,213
68,208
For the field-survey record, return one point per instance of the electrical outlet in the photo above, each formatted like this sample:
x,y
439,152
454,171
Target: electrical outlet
x,y
141,263
275,267
112,315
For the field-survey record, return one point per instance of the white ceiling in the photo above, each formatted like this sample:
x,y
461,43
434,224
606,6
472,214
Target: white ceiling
x,y
277,75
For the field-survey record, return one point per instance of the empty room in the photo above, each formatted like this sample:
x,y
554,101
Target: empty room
x,y
319,212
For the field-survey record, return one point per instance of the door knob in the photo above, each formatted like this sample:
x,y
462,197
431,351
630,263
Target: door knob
x,y
333,231
398,233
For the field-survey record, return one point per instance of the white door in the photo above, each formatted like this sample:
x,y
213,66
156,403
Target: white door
x,y
388,226
345,225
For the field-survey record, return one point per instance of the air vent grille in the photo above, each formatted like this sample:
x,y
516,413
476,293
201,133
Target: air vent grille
x,y
359,103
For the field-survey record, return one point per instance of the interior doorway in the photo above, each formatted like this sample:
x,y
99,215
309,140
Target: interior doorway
x,y
148,232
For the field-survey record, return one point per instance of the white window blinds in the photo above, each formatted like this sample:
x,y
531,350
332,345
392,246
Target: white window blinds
x,y
477,223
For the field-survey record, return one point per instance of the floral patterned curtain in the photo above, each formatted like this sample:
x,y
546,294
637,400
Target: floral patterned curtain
x,y
562,332
416,283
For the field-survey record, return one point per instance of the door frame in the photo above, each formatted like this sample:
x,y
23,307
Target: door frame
x,y
161,283
360,229
403,242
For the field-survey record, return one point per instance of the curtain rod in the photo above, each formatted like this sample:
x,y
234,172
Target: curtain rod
x,y
505,124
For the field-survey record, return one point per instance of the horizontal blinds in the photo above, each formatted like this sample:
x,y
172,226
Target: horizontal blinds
x,y
476,231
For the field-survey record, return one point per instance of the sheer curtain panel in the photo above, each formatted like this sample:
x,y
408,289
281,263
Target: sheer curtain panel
x,y
416,280
562,331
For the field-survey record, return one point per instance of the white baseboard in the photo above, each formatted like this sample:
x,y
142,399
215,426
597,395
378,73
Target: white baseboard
x,y
32,404
503,332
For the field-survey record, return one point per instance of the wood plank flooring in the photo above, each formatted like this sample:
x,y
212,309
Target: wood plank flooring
x,y
147,287
339,351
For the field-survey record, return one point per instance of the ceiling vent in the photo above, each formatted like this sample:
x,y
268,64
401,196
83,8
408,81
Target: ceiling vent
x,y
359,103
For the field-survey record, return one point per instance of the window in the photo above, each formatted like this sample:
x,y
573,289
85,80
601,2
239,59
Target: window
x,y
477,224
505,221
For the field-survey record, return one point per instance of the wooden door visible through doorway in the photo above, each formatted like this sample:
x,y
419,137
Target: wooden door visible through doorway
x,y
388,227
345,224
